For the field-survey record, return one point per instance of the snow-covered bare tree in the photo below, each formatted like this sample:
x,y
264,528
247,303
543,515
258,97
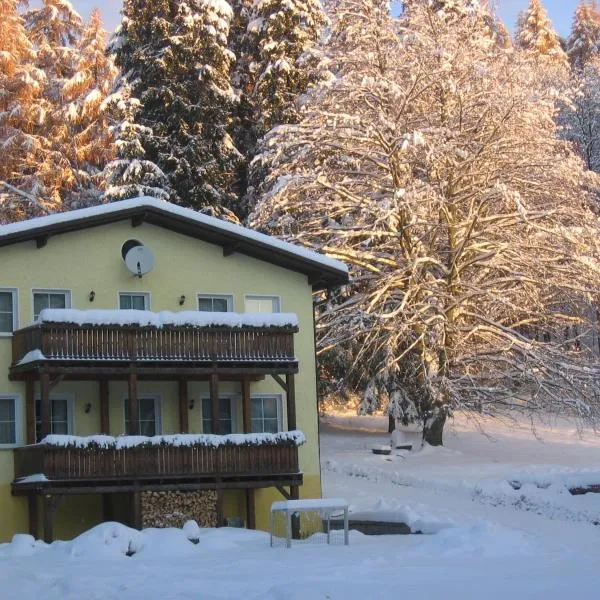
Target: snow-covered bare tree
x,y
535,32
21,113
175,59
431,165
583,43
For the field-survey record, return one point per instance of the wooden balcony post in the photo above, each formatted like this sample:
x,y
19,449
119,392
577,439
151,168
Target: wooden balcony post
x,y
104,415
291,402
250,509
214,402
246,406
184,426
45,406
29,411
134,411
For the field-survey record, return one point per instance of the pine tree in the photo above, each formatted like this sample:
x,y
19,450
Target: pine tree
x,y
439,178
584,42
21,113
88,142
535,32
175,59
130,174
54,28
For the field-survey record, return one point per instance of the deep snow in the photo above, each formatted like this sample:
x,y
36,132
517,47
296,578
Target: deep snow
x,y
485,538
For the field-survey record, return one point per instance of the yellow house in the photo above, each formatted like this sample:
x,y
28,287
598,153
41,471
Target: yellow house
x,y
192,336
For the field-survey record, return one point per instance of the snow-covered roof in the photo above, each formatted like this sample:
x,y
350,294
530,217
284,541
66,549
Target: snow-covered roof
x,y
322,270
146,318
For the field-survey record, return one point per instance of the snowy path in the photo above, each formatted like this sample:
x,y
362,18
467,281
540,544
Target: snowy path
x,y
478,550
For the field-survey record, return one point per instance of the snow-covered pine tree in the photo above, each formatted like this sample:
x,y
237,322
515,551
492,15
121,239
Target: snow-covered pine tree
x,y
21,85
130,174
584,42
54,28
279,61
536,34
174,56
431,165
88,143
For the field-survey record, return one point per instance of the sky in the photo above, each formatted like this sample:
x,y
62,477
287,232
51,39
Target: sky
x,y
560,11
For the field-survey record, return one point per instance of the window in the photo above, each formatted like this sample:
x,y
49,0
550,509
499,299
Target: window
x,y
263,304
149,416
50,299
265,413
60,417
226,421
8,420
8,311
213,303
134,301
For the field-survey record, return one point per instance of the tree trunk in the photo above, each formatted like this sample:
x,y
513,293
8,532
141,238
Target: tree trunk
x,y
391,423
433,428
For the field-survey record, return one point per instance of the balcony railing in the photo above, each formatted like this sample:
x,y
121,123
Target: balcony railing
x,y
68,342
97,464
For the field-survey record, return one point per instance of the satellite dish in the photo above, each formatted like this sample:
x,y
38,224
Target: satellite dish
x,y
138,258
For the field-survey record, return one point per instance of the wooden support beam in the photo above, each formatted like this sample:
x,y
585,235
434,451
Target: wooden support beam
x,y
134,411
229,250
295,495
291,402
246,406
54,382
283,492
50,505
33,515
184,426
41,241
45,414
29,412
104,414
214,403
107,508
220,516
136,510
250,509
137,220
280,381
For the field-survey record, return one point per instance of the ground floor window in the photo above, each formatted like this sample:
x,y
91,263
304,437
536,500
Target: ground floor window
x,y
60,417
8,420
226,420
266,414
149,416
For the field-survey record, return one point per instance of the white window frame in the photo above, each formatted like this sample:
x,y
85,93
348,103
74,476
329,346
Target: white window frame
x,y
157,411
70,398
235,404
279,402
16,398
146,295
227,297
273,297
15,307
66,292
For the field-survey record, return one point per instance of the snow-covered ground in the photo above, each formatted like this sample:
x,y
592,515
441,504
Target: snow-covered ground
x,y
482,536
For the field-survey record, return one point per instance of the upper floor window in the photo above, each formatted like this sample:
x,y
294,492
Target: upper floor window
x,y
134,301
215,303
149,415
263,304
61,417
50,299
8,420
8,311
226,416
266,414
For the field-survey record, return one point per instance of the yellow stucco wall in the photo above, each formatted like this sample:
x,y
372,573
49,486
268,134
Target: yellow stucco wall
x,y
89,260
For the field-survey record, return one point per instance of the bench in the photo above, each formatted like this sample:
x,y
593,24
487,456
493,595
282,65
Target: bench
x,y
325,506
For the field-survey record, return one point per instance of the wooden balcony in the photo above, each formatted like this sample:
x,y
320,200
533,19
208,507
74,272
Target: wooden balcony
x,y
155,467
68,343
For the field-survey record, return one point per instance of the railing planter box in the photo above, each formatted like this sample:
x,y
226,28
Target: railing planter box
x,y
136,457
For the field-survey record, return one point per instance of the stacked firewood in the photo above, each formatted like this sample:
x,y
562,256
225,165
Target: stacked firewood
x,y
173,509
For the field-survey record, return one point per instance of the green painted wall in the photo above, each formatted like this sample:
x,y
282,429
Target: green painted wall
x,y
91,260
